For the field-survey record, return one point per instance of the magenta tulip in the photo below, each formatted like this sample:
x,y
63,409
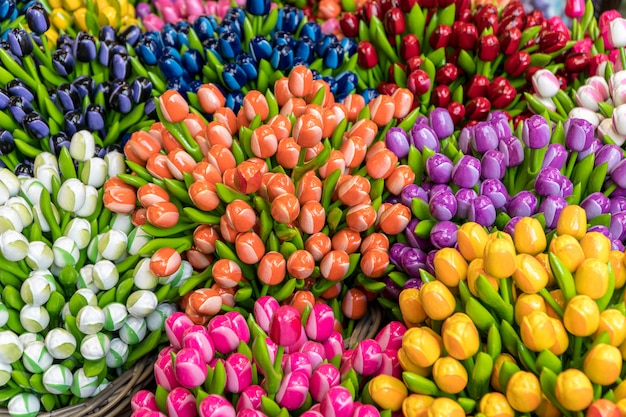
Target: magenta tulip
x,y
311,413
390,364
293,390
297,361
225,338
390,336
175,326
250,413
367,357
320,323
337,402
190,368
238,372
250,398
286,326
144,399
239,325
264,309
216,405
333,345
181,403
315,352
164,374
324,378
197,337
365,410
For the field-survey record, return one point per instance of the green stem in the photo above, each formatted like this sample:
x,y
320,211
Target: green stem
x,y
570,164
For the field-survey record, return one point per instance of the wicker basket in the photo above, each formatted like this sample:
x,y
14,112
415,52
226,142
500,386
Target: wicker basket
x,y
367,327
114,400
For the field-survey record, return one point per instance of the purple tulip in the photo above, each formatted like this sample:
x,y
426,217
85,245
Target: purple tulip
x,y
441,122
297,361
333,345
315,352
181,403
465,139
513,151
365,410
443,234
190,368
595,145
396,252
496,191
618,226
421,120
293,390
464,198
216,405
324,378
197,337
524,204
422,136
548,182
239,325
251,413
397,141
510,225
437,188
390,364
466,172
578,134
485,137
320,323
617,245
175,327
500,122
264,309
598,228
430,261
618,204
250,398
482,211
337,402
556,156
390,336
611,154
551,208
412,261
238,372
164,374
295,347
367,357
492,165
412,191
413,240
225,338
412,283
392,290
567,187
442,206
619,174
439,168
536,132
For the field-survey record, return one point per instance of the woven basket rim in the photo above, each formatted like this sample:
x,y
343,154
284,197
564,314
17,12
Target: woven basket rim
x,y
367,327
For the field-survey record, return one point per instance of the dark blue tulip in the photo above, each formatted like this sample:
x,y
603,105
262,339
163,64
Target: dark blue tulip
x,y
192,61
482,211
7,144
412,261
35,125
84,85
282,57
19,108
169,35
596,204
170,67
150,109
234,76
323,43
195,85
578,134
249,65
173,52
203,28
412,191
393,199
105,53
556,156
141,88
548,182
441,122
347,82
289,18
611,154
230,24
332,83
119,49
120,67
594,146
258,7
333,55
297,61
536,132
466,172
513,151
107,33
510,226
485,137
67,98
443,235
442,205
130,35
305,49
500,122
284,38
422,136
464,198
37,41
73,122
311,29
316,74
234,100
17,87
24,169
439,168
84,47
617,226
492,165
551,208
20,42
496,191
397,141
396,251
7,7
58,141
4,99
182,32
349,46
178,84
230,44
65,41
37,18
238,14
93,119
465,139
598,228
618,204
148,50
121,99
63,62
524,204
260,48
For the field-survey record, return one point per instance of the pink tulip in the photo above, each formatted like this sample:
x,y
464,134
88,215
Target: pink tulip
x,y
606,127
390,364
197,337
311,413
324,378
367,357
619,119
333,345
286,326
337,402
250,398
607,17
390,336
194,7
190,368
365,410
153,23
238,372
250,413
142,412
145,399
216,405
619,95
297,361
295,347
320,323
225,338
263,311
315,352
239,325
574,8
167,351
588,97
170,14
330,26
600,84
293,390
181,403
586,114
164,373
175,327
545,83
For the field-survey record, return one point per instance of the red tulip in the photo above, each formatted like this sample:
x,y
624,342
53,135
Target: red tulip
x,y
534,18
466,36
285,326
441,36
457,112
410,47
370,9
477,87
488,48
414,63
395,23
367,55
419,82
510,40
552,40
501,92
478,108
577,62
517,63
447,74
485,21
349,24
441,96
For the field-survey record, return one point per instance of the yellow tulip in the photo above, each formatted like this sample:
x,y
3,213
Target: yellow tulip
x,y
621,405
547,409
603,364
537,331
497,366
499,258
612,321
416,405
409,366
411,306
574,390
422,347
61,19
596,245
544,260
524,392
476,268
437,300
620,391
572,221
616,258
450,266
529,276
581,316
529,236
445,407
527,303
55,4
494,404
450,375
109,16
471,238
72,5
592,278
80,17
562,337
388,392
568,250
460,336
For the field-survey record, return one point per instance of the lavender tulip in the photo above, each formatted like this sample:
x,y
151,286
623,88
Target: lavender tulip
x,y
443,234
465,139
578,134
485,137
595,145
397,251
238,372
524,204
315,352
536,132
618,204
619,174
412,239
422,136
367,357
392,290
365,410
430,261
617,245
618,226
198,338
390,336
324,378
513,151
181,403
225,339
333,345
464,198
441,122
175,327
164,374
250,398
556,156
412,261
397,141
567,187
216,405
190,368
390,364
337,402
466,172
285,326
551,208
482,211
609,154
412,191
510,225
263,311
293,390
439,168
500,122
492,165
437,188
320,323
442,206
598,228
496,191
548,182
412,283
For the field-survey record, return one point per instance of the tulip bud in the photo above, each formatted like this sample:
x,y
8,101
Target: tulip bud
x,y
450,375
581,316
460,336
495,404
421,346
603,364
574,390
530,275
568,250
617,32
499,258
445,407
437,300
388,392
524,392
545,83
537,331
